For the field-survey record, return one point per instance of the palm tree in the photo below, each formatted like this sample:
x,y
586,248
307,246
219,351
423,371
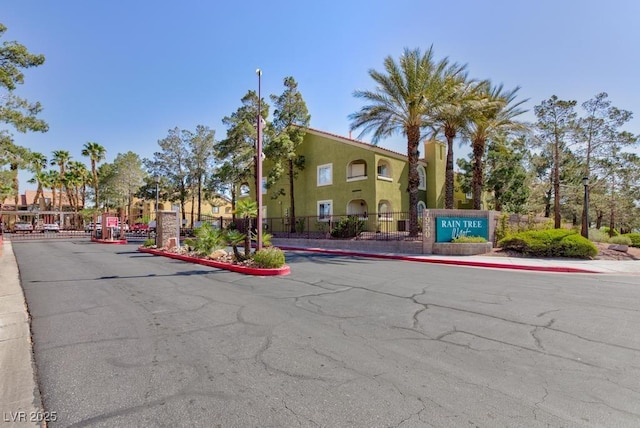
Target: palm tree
x,y
96,153
51,181
76,177
61,158
462,99
494,117
247,209
38,163
405,97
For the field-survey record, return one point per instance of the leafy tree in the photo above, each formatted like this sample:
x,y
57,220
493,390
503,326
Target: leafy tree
x,y
290,120
598,134
96,153
200,146
555,124
407,92
14,58
171,164
127,178
237,153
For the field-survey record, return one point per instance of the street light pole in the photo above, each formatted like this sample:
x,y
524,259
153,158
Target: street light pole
x,y
157,180
585,215
259,167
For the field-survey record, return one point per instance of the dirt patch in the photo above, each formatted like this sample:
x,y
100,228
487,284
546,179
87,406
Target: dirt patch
x,y
604,253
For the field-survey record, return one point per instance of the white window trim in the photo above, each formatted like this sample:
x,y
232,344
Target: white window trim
x,y
326,201
384,178
362,177
326,165
243,194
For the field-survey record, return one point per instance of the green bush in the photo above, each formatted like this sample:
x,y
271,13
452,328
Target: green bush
x,y
149,243
269,257
635,239
550,243
598,235
620,240
469,239
348,227
207,239
607,230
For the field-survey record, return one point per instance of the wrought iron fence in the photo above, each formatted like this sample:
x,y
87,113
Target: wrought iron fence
x,y
388,226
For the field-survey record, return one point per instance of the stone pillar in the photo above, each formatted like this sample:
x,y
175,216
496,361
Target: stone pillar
x,y
428,232
167,228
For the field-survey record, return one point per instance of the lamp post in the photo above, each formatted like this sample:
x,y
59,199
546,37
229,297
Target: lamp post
x,y
259,168
157,180
585,212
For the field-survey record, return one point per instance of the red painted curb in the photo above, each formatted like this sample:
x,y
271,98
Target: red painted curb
x,y
285,270
444,261
106,241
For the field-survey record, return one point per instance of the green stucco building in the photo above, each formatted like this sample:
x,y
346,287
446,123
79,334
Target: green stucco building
x,y
343,176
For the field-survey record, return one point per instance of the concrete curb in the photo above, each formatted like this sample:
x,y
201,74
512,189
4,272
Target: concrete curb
x,y
436,260
20,401
286,270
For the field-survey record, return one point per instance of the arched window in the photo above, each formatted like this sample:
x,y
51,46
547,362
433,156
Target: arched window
x,y
244,189
422,175
421,207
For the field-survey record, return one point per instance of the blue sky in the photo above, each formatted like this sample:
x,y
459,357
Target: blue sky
x,y
121,73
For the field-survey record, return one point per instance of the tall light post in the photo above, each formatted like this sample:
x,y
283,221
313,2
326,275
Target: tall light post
x,y
585,215
259,167
157,180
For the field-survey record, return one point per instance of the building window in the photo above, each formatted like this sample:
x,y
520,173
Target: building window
x,y
422,175
384,170
469,196
264,186
244,189
357,170
325,210
421,207
325,174
216,210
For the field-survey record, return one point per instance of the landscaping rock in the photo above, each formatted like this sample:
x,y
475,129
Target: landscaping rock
x,y
619,247
218,255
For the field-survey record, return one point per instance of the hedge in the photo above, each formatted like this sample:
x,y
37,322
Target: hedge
x,y
550,243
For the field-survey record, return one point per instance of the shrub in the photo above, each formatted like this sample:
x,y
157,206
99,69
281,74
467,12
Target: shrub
x,y
608,231
620,240
149,243
598,235
635,239
348,227
550,243
469,239
300,224
269,257
207,239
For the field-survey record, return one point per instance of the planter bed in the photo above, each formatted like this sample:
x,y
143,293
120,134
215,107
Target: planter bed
x,y
285,270
109,241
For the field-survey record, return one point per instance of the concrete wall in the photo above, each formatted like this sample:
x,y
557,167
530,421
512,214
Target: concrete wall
x,y
399,247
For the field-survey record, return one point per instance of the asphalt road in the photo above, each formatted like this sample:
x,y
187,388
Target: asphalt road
x,y
126,339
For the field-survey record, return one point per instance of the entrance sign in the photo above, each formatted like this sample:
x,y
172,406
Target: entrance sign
x,y
112,222
450,228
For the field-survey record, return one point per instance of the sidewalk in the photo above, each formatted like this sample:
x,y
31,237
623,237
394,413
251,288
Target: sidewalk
x,y
19,392
515,263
